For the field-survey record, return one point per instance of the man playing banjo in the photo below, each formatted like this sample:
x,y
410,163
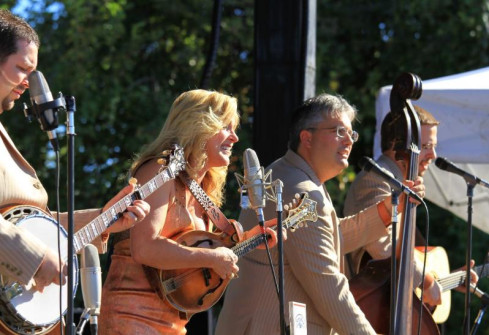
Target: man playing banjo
x,y
25,258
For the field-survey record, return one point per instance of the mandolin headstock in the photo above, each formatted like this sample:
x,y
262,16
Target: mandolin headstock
x,y
300,212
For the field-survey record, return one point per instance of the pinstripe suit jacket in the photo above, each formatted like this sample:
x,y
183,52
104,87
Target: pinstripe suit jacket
x,y
313,265
367,189
21,253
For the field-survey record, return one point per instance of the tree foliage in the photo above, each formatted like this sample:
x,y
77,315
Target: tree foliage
x,y
125,61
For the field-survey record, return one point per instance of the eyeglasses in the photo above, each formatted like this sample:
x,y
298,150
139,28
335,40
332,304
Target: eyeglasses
x,y
428,146
341,132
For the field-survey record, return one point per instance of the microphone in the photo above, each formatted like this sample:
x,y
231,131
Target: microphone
x,y
483,296
253,183
45,108
91,284
445,164
368,164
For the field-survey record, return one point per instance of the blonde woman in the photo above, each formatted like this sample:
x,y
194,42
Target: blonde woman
x,y
204,124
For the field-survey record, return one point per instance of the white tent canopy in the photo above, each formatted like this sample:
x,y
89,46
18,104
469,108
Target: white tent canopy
x,y
461,103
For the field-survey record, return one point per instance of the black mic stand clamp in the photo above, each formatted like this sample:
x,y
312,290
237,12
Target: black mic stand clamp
x,y
83,321
477,321
47,121
37,111
88,314
482,310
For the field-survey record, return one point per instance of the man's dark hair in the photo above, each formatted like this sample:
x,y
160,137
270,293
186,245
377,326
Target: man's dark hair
x,y
389,132
13,29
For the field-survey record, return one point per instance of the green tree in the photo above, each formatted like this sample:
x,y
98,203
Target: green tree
x,y
126,60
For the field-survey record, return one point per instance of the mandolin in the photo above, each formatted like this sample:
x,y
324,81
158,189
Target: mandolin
x,y
196,290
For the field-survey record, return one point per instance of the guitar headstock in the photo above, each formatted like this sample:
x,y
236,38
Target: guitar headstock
x,y
305,210
173,159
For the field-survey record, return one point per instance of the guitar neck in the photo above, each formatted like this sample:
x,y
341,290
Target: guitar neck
x,y
100,224
456,279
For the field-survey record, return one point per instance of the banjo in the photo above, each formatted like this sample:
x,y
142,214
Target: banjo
x,y
24,310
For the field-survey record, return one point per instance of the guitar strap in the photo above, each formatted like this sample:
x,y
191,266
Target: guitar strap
x,y
231,228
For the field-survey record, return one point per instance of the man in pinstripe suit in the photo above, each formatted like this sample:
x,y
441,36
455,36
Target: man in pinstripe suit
x,y
369,188
320,141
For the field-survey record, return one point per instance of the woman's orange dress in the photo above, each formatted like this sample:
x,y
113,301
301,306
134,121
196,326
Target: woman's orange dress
x,y
129,304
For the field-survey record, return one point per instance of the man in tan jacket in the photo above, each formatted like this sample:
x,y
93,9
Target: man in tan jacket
x,y
24,257
320,142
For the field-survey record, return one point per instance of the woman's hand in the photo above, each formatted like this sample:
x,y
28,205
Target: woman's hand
x,y
135,212
271,233
225,264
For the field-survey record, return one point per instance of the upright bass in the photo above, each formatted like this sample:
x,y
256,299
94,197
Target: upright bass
x,y
372,286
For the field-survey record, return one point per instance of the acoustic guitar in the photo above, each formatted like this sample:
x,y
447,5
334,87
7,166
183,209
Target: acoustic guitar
x,y
371,290
196,290
437,264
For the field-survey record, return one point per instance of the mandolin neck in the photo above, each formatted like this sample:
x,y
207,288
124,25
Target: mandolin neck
x,y
305,211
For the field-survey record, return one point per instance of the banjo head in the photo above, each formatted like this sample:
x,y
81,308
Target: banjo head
x,y
25,308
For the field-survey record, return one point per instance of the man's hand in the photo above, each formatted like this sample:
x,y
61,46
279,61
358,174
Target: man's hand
x,y
432,290
49,271
418,187
474,278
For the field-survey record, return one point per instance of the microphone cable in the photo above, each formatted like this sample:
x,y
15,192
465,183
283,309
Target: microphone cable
x,y
269,255
60,261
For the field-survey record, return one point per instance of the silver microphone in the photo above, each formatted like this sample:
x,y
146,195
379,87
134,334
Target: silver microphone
x,y
483,296
253,183
46,114
91,284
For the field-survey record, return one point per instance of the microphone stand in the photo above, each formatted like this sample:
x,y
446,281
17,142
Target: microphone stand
x,y
394,222
470,194
83,320
482,311
278,190
70,130
477,321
